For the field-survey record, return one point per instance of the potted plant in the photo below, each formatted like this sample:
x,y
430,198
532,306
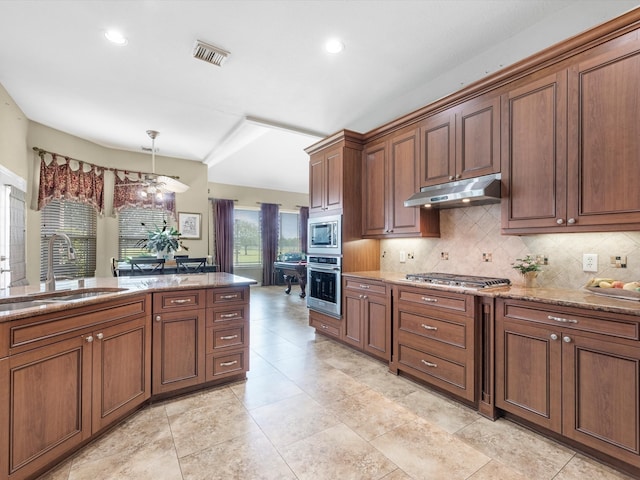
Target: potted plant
x,y
162,241
528,268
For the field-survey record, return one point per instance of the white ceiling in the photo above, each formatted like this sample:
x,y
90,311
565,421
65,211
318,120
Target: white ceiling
x,y
400,55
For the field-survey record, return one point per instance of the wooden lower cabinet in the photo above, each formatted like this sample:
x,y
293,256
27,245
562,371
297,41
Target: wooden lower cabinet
x,y
63,392
434,339
572,371
367,316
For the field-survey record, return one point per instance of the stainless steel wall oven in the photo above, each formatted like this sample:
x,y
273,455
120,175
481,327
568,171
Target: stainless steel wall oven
x,y
324,276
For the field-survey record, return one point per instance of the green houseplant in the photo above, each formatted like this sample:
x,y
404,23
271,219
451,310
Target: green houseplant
x,y
165,239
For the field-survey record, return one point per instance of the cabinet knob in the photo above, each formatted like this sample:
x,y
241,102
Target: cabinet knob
x,y
364,297
158,318
566,339
100,336
458,176
560,221
89,339
571,221
450,177
554,336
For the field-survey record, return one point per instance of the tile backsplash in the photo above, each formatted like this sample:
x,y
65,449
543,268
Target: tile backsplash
x,y
471,243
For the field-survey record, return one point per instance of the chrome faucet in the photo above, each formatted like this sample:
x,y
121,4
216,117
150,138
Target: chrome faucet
x,y
50,284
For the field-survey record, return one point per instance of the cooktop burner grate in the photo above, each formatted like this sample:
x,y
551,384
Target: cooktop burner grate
x,y
454,280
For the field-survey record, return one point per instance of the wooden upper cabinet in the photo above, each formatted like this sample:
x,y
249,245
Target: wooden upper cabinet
x,y
438,149
326,181
534,147
604,142
461,142
390,176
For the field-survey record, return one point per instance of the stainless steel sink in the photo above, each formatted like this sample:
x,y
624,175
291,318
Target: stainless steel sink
x,y
40,299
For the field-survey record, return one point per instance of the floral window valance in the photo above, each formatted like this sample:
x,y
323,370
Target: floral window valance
x,y
131,190
63,178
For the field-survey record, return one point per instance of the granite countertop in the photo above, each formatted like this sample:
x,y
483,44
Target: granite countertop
x,y
579,298
110,288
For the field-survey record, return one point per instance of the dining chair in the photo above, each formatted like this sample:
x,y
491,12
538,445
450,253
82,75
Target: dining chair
x,y
191,264
147,266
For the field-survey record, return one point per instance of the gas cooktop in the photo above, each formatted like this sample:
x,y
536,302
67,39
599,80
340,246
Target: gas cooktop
x,y
470,282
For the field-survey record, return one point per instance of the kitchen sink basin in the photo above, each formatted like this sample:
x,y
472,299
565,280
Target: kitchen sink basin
x,y
43,298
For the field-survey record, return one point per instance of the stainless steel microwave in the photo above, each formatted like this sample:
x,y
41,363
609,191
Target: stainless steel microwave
x,y
324,235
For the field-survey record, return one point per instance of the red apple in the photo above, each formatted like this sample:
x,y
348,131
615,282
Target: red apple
x,y
617,284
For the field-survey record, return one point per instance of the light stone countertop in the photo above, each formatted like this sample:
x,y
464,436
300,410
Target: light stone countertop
x,y
579,298
129,286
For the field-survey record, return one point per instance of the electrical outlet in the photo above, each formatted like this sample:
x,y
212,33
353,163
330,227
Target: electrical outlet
x,y
403,256
589,262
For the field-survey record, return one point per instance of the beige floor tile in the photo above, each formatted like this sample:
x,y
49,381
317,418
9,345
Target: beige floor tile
x,y
390,385
438,410
259,366
427,452
581,467
155,460
204,427
208,398
336,453
250,458
495,470
293,419
397,474
355,364
370,414
60,472
524,451
300,368
279,349
330,385
264,390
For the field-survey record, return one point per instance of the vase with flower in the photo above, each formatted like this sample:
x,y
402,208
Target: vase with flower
x,y
529,269
163,241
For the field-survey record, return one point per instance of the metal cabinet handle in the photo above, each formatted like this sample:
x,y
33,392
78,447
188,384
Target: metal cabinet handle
x,y
89,339
227,297
450,177
158,318
228,364
553,336
364,286
229,337
430,300
560,221
571,221
181,300
429,327
100,336
562,320
429,364
228,315
566,339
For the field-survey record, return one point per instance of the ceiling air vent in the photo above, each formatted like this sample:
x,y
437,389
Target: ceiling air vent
x,y
208,53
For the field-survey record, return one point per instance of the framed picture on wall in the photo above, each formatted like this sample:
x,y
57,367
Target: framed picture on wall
x,y
189,225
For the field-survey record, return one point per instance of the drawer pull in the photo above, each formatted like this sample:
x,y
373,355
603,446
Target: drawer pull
x,y
228,315
430,300
158,318
566,339
229,297
323,326
563,320
364,286
100,336
429,364
229,337
181,300
89,339
429,327
228,364
553,336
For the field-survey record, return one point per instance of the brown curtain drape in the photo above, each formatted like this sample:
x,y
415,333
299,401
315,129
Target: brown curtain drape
x,y
269,225
303,217
223,217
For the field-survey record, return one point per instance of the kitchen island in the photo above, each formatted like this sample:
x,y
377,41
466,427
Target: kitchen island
x,y
75,361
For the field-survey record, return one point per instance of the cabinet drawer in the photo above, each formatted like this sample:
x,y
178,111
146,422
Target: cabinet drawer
x,y
217,296
231,336
433,366
178,300
456,302
324,324
229,364
231,313
439,329
567,319
365,286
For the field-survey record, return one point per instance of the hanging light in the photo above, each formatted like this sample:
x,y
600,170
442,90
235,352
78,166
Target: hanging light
x,y
163,182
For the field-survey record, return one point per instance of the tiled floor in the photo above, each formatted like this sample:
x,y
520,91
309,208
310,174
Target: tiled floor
x,y
313,409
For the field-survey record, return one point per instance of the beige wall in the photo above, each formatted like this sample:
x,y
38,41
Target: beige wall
x,y
251,197
13,136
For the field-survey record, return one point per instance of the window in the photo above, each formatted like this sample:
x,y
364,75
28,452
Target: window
x,y
246,237
131,230
78,221
289,241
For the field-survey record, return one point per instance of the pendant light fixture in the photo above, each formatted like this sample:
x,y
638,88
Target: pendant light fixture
x,y
163,182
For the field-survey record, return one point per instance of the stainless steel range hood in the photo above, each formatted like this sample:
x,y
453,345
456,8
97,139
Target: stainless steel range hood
x,y
462,193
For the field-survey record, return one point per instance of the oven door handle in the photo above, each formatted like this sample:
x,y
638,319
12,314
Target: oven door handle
x,y
321,269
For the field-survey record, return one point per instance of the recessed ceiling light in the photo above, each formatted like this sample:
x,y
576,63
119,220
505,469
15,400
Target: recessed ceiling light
x,y
116,37
334,46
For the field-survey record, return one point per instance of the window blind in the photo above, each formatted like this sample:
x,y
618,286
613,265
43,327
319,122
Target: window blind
x,y
78,221
131,230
